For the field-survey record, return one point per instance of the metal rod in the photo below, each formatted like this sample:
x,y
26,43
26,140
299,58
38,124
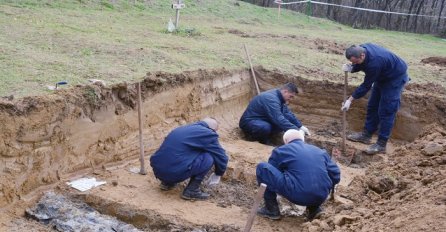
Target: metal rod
x,y
344,115
255,206
252,69
142,171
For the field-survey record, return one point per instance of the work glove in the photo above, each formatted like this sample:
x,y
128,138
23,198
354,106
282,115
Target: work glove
x,y
346,105
213,180
347,67
304,129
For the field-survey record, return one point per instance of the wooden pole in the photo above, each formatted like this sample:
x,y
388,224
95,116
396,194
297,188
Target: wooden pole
x,y
280,4
177,20
142,171
255,206
252,69
344,115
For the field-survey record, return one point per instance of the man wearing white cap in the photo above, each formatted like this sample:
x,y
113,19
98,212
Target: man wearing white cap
x,y
302,173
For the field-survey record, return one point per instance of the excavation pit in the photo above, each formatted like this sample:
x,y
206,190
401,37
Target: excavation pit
x,y
93,130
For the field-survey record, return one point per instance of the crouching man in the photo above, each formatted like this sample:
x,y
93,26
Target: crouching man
x,y
300,172
190,151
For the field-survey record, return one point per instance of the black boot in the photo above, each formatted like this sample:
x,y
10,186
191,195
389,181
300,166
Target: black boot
x,y
193,192
378,147
313,212
362,137
270,210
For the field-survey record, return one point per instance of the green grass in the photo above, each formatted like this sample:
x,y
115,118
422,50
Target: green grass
x,y
46,41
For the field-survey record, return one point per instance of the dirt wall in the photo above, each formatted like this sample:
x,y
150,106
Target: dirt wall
x,y
44,138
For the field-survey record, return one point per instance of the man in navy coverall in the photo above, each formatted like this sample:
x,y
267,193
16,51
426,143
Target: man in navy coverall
x,y
386,75
300,172
268,113
190,151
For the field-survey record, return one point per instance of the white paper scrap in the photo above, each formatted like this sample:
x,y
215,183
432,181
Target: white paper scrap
x,y
84,184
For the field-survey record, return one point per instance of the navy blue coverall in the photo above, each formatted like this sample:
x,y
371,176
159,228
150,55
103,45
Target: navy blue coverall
x,y
302,173
189,151
267,113
387,73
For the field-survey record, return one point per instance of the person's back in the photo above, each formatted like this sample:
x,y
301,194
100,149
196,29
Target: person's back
x,y
302,173
190,151
391,69
305,169
257,107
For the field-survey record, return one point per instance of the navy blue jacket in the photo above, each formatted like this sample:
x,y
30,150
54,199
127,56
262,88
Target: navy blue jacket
x,y
381,67
309,173
172,161
270,106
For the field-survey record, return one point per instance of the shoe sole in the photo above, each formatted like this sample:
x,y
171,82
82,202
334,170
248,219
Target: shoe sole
x,y
193,198
360,141
375,152
317,216
269,217
165,188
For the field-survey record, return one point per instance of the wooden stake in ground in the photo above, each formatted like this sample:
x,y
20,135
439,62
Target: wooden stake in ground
x,y
142,171
177,6
255,206
252,69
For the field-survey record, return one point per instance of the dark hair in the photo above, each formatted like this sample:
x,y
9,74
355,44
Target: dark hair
x,y
290,87
354,51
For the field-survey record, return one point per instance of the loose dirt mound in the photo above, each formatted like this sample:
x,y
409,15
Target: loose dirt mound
x,y
406,193
440,61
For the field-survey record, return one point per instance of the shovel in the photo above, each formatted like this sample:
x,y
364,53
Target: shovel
x,y
52,87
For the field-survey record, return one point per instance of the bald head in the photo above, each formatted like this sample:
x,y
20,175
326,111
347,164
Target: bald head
x,y
293,134
212,123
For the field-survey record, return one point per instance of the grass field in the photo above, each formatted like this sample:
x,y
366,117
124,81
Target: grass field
x,y
43,42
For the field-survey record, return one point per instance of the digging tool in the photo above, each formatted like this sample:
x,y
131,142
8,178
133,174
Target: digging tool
x,y
255,206
335,151
142,171
51,87
252,69
344,114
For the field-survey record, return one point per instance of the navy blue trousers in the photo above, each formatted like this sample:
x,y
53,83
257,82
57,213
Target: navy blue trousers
x,y
381,110
260,130
199,168
276,184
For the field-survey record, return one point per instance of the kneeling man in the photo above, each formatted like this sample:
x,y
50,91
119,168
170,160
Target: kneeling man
x,y
190,151
302,173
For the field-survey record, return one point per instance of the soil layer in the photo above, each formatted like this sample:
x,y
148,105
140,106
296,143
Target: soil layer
x,y
93,130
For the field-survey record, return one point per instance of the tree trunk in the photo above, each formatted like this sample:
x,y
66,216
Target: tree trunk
x,y
364,19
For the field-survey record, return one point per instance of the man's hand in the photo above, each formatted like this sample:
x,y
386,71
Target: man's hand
x,y
346,104
347,67
213,180
304,129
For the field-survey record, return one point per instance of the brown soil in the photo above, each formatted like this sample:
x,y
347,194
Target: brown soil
x,y
93,130
326,46
440,61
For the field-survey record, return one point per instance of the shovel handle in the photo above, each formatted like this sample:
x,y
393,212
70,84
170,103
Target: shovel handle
x,y
255,206
344,114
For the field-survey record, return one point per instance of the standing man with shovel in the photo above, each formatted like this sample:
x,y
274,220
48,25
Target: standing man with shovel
x,y
386,75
